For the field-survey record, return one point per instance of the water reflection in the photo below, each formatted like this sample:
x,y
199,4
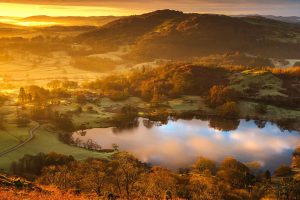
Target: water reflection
x,y
224,124
177,143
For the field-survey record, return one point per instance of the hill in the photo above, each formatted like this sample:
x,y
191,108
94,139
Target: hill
x,y
291,19
12,30
173,34
72,21
288,19
4,25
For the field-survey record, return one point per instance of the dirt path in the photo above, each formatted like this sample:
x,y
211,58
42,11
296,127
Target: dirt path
x,y
30,134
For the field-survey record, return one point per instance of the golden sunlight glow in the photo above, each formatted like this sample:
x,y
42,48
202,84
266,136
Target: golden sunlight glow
x,y
17,21
30,23
25,10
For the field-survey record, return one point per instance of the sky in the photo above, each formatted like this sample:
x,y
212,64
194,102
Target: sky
x,y
24,8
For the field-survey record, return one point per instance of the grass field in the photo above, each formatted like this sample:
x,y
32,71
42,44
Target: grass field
x,y
12,135
265,83
272,112
45,141
188,103
28,69
103,109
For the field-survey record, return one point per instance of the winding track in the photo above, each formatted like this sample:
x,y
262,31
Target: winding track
x,y
30,134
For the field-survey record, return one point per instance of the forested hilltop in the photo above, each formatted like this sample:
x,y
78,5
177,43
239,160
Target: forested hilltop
x,y
172,34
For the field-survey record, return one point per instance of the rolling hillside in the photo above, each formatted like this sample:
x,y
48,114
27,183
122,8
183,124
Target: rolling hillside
x,y
11,30
173,34
72,21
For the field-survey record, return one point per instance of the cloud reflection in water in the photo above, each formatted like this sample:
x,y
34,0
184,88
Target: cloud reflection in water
x,y
178,143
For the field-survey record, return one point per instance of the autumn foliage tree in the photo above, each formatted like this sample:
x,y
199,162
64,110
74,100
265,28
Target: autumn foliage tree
x,y
235,173
204,165
296,158
220,94
125,177
158,182
229,109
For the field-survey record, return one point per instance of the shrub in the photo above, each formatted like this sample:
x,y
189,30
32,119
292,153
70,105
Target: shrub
x,y
203,165
234,172
261,109
220,94
229,109
283,171
296,158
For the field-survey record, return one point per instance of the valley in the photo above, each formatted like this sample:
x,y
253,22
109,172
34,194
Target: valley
x,y
77,93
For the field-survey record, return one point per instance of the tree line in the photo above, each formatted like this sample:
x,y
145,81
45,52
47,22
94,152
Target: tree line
x,y
124,176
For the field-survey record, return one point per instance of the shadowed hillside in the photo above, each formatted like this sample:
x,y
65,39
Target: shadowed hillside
x,y
173,34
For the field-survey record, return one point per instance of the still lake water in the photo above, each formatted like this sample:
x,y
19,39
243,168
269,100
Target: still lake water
x,y
178,143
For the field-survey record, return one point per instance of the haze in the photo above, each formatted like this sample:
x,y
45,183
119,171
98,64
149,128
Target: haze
x,y
23,8
150,99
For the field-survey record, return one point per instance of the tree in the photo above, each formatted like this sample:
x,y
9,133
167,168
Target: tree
x,y
126,118
296,158
158,182
179,84
220,94
96,176
22,95
69,84
81,99
82,129
204,187
115,147
3,99
64,122
126,173
90,109
2,119
22,120
234,173
54,84
204,165
282,171
155,98
229,109
267,175
261,109
78,110
224,124
254,167
29,97
32,165
38,94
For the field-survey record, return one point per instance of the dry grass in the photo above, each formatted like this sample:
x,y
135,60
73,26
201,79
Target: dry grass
x,y
291,71
266,83
49,194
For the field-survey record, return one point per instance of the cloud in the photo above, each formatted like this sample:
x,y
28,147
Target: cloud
x,y
153,3
275,7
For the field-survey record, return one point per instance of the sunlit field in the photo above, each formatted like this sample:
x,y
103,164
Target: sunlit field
x,y
32,69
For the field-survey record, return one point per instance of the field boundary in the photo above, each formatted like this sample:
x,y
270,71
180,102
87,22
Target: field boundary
x,y
31,136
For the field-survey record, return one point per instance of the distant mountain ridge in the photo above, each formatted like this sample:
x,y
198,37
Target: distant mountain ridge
x,y
73,20
174,34
289,19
